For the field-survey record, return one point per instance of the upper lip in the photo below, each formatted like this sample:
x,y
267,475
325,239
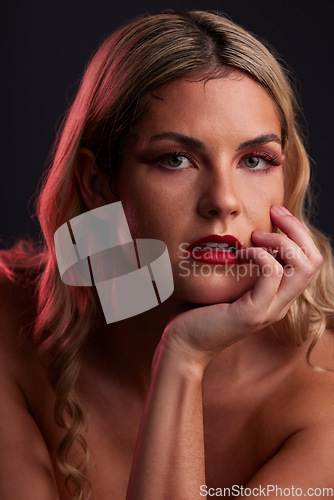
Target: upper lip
x,y
231,240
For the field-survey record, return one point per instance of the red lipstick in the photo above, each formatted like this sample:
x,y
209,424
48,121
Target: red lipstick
x,y
215,249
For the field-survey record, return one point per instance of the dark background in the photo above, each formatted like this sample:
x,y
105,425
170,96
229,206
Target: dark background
x,y
46,45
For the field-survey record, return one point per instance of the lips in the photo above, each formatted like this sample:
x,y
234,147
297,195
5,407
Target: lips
x,y
214,248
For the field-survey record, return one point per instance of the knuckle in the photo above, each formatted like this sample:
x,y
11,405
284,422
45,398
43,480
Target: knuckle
x,y
319,260
256,319
308,270
284,240
276,271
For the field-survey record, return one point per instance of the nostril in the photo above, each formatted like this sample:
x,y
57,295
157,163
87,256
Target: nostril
x,y
219,212
215,203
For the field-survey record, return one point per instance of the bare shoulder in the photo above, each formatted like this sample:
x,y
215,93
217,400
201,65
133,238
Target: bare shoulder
x,y
17,314
17,303
23,453
302,418
320,378
19,359
305,397
316,374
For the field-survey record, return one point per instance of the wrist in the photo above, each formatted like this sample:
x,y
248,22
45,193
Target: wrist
x,y
181,356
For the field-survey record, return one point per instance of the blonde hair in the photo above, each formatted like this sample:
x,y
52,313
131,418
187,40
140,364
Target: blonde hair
x,y
137,59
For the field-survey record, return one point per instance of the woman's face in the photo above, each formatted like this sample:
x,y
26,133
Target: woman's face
x,y
205,160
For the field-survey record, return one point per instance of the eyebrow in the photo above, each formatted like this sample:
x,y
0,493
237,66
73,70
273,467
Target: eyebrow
x,y
197,144
260,141
182,139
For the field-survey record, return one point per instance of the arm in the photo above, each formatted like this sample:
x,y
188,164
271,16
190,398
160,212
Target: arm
x,y
169,457
175,464
169,461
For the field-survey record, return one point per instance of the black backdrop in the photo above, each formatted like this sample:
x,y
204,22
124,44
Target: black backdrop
x,y
45,46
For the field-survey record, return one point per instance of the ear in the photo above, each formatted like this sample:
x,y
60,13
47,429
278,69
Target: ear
x,y
94,186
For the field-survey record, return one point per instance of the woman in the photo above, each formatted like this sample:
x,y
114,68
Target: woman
x,y
189,121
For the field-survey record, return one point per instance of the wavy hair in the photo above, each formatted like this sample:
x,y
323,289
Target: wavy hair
x,y
134,61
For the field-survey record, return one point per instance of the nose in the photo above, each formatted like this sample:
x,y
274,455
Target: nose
x,y
219,195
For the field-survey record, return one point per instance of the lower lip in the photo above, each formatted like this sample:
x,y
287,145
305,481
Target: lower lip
x,y
212,257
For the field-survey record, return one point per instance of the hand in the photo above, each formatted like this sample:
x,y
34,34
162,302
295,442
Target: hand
x,y
200,334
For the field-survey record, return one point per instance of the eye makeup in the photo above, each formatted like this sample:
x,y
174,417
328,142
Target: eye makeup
x,y
255,161
268,161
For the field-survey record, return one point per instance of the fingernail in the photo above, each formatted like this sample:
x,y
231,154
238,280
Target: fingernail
x,y
281,210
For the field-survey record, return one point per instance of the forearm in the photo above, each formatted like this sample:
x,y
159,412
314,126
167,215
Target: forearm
x,y
169,458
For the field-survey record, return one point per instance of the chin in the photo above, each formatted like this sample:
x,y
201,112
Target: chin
x,y
213,288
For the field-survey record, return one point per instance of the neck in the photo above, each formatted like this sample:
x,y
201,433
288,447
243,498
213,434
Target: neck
x,y
126,348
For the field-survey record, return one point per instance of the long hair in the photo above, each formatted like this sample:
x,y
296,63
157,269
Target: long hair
x,y
134,61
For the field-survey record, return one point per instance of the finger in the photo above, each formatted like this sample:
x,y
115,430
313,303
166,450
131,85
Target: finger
x,y
294,229
298,269
288,251
270,276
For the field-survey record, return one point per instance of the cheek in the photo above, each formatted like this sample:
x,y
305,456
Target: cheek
x,y
259,202
148,212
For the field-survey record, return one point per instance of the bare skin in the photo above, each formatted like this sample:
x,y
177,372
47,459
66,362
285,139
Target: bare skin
x,y
236,406
254,400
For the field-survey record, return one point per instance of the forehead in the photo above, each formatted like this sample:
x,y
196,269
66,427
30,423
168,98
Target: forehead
x,y
229,106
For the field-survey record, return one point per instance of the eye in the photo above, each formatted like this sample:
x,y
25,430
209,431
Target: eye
x,y
176,161
252,161
260,161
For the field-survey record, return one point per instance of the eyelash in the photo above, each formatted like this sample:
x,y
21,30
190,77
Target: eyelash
x,y
272,161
